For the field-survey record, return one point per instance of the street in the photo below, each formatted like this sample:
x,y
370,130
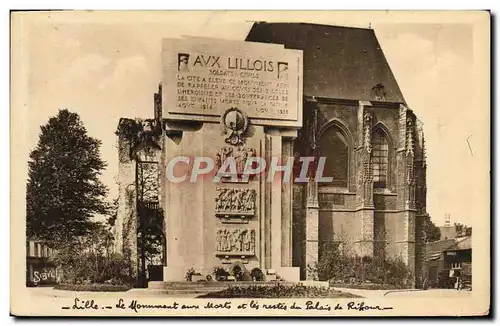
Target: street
x,y
432,293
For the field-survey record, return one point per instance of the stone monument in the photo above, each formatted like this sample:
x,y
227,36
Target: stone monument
x,y
228,99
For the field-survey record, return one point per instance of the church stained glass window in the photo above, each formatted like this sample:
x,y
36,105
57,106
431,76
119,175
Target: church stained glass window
x,y
335,148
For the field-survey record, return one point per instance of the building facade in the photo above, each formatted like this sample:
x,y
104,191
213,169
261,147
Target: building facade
x,y
354,115
450,254
39,269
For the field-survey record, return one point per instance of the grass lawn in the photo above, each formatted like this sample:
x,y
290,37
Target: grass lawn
x,y
92,287
278,291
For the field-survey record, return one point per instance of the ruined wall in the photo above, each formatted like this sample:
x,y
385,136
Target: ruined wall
x,y
126,221
137,141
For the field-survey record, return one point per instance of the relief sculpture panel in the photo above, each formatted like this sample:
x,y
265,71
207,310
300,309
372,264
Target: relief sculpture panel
x,y
235,242
239,154
235,203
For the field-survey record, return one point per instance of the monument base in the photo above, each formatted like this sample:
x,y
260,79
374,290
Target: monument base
x,y
201,287
177,274
174,274
289,274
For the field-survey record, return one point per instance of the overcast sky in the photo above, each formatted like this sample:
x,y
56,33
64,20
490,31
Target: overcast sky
x,y
111,68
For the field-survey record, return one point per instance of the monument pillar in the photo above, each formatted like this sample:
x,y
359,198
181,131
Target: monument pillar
x,y
184,212
286,207
279,209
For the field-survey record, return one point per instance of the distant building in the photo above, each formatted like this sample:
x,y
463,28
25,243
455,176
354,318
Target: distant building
x,y
448,232
449,254
459,255
454,231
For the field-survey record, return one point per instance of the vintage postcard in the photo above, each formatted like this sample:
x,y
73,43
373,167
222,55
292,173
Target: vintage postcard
x,y
218,163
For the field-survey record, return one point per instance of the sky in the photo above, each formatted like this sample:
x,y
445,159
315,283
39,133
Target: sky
x,y
107,67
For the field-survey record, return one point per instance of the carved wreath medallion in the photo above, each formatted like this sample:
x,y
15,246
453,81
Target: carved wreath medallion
x,y
235,124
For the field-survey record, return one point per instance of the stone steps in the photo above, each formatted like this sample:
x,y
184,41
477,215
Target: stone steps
x,y
193,289
217,286
207,285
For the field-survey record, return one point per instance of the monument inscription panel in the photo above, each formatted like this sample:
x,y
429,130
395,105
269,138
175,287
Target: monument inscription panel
x,y
204,79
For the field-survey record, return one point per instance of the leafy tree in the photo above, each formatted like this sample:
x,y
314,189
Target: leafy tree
x,y
432,232
462,230
64,190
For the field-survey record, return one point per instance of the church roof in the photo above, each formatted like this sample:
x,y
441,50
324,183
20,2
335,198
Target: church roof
x,y
339,62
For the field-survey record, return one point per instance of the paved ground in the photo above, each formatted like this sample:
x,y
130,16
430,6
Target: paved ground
x,y
363,293
411,293
432,293
52,293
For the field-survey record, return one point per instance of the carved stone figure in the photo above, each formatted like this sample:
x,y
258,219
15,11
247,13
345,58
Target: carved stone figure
x,y
219,241
241,158
226,241
248,240
249,200
227,200
218,160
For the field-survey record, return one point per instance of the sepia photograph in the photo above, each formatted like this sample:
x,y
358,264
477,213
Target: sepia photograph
x,y
250,163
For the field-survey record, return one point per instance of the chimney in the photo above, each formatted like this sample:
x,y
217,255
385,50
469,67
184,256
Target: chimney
x,y
157,104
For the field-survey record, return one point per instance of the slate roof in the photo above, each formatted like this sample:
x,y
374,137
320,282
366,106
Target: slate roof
x,y
462,244
434,250
339,62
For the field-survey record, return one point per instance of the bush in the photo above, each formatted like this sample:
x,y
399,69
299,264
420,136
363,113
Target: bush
x,y
257,274
92,287
189,274
237,272
278,291
245,277
220,272
92,267
339,267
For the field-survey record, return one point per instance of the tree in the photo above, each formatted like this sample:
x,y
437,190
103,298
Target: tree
x,y
432,232
462,230
64,190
